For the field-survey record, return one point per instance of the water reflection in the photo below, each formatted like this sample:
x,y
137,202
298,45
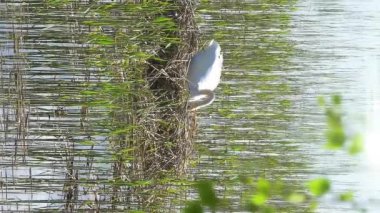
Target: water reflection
x,y
249,131
340,39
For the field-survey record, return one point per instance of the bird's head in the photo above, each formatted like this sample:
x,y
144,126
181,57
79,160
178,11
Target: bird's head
x,y
214,45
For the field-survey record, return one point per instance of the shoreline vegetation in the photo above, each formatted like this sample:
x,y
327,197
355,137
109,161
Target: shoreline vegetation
x,y
151,123
151,132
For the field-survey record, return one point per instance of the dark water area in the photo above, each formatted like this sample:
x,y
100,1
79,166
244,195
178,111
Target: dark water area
x,y
58,99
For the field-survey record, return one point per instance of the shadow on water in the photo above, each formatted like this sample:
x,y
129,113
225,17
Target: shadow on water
x,y
90,121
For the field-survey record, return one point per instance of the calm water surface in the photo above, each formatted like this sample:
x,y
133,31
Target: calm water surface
x,y
265,121
343,35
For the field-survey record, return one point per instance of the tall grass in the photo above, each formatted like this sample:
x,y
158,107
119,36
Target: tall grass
x,y
143,50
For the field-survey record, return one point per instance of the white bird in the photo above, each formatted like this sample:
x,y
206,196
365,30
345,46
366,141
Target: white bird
x,y
204,75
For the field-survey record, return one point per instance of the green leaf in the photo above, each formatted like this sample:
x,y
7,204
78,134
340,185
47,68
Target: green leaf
x,y
193,207
162,19
356,145
263,186
336,99
259,199
335,138
346,197
335,133
319,186
207,194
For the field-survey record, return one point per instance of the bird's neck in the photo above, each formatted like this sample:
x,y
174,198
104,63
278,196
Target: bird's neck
x,y
195,103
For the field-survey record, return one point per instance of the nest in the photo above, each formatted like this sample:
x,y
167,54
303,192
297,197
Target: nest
x,y
162,142
171,144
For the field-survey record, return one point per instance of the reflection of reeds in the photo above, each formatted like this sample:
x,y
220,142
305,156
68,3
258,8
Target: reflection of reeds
x,y
70,187
17,91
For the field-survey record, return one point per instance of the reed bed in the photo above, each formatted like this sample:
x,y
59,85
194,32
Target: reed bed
x,y
130,60
152,132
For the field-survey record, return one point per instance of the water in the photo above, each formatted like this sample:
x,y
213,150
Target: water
x,y
265,121
345,33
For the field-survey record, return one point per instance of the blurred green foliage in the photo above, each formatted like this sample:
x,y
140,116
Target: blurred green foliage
x,y
262,192
335,133
319,186
347,196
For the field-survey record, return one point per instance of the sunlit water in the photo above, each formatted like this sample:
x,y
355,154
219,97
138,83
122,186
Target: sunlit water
x,y
368,170
346,33
265,121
